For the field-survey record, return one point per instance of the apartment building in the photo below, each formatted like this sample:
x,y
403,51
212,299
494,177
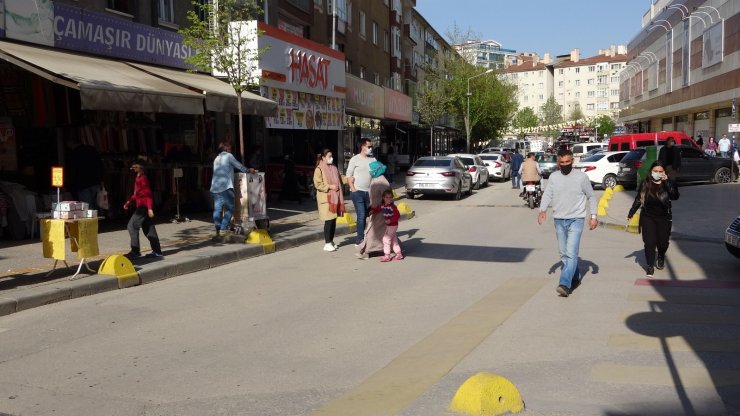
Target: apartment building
x,y
534,80
486,53
683,69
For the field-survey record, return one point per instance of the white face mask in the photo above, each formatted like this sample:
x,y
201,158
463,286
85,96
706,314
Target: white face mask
x,y
656,175
369,151
330,160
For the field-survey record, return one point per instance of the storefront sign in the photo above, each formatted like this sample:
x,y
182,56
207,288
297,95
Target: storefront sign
x,y
57,176
364,98
300,110
397,106
62,26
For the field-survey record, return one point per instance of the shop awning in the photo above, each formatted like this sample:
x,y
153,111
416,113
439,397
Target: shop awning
x,y
104,84
220,96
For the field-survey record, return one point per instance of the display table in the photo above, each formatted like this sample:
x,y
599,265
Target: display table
x,y
83,237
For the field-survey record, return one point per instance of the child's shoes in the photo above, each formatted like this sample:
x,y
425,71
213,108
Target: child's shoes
x,y
399,256
385,259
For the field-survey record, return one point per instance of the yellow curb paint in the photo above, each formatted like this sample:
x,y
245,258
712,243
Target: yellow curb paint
x,y
487,394
261,237
121,267
413,372
696,377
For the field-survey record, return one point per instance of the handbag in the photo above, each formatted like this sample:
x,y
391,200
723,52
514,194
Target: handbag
x,y
102,198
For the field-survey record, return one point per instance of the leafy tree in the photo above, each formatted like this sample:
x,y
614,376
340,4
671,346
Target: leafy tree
x,y
431,103
524,119
223,44
604,125
551,115
576,114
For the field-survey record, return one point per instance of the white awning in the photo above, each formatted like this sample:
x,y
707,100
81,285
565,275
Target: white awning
x,y
104,84
220,96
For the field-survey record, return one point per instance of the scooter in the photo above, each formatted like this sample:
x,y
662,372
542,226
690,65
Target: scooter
x,y
532,194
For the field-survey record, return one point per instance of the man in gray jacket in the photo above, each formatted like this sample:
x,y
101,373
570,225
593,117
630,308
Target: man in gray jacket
x,y
568,190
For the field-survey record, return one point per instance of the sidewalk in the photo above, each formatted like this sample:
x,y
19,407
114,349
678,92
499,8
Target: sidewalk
x,y
187,248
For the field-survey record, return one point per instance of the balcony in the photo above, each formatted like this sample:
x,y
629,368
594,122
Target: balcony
x,y
395,19
409,71
396,64
407,33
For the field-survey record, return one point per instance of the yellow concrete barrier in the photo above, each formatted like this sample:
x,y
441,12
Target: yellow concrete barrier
x,y
608,193
121,267
261,237
619,188
486,394
406,210
634,224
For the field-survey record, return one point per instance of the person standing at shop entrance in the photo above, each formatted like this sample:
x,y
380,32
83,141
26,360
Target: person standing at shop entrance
x,y
222,188
358,176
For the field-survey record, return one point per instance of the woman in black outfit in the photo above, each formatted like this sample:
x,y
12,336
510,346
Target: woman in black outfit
x,y
654,195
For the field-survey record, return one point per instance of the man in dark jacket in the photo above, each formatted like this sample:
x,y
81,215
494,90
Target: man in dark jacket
x,y
670,155
516,163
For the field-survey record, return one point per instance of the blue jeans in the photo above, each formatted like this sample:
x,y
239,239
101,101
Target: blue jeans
x,y
223,201
361,201
515,181
568,231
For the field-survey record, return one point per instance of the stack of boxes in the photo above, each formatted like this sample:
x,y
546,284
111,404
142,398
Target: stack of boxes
x,y
70,210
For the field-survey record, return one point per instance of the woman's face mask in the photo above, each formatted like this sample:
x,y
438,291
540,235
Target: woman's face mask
x,y
329,160
656,175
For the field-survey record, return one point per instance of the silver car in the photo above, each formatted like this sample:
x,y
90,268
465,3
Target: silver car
x,y
477,168
438,175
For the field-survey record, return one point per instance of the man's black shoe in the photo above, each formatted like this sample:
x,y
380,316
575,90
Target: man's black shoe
x,y
660,263
132,254
563,291
650,272
574,285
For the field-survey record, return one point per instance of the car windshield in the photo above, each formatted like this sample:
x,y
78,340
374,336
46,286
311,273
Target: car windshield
x,y
592,158
634,155
430,163
468,161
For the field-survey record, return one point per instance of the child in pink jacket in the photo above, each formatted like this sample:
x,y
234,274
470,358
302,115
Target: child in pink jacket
x,y
391,214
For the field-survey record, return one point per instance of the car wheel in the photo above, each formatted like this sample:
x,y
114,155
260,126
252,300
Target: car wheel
x,y
477,184
486,183
610,181
723,175
410,195
470,189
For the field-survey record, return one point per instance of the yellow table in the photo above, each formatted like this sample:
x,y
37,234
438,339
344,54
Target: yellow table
x,y
83,237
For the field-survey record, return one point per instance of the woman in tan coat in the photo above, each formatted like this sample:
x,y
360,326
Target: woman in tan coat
x,y
329,196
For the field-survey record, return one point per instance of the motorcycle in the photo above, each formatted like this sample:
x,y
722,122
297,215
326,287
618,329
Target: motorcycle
x,y
532,194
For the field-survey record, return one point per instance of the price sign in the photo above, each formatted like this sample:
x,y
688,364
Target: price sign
x,y
57,176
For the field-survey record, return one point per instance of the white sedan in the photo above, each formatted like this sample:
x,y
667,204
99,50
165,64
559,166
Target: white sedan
x,y
601,168
477,168
498,167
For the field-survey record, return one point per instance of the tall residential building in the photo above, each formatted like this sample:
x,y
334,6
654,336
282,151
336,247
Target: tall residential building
x,y
487,53
683,69
534,80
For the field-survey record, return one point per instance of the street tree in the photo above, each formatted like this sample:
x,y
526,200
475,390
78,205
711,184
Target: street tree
x,y
431,104
604,124
551,115
524,119
576,114
223,44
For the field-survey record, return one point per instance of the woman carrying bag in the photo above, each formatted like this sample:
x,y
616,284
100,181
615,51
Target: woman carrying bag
x,y
654,196
329,196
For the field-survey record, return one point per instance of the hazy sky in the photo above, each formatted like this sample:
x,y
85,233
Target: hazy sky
x,y
541,25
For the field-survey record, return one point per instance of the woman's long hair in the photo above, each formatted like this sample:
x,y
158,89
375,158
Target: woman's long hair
x,y
649,187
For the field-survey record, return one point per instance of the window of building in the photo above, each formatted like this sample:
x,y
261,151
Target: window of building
x,y
363,72
590,107
602,106
578,94
125,6
601,79
614,92
387,41
591,68
591,93
560,83
590,81
525,98
614,106
578,70
166,11
560,72
301,4
614,80
362,23
541,73
396,45
542,85
578,82
601,93
542,97
376,78
616,66
375,33
601,67
348,66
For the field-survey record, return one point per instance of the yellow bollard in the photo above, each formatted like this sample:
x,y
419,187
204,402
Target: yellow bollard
x,y
121,267
486,394
261,237
406,210
619,188
634,224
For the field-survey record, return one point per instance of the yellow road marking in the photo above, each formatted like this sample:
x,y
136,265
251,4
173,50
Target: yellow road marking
x,y
413,372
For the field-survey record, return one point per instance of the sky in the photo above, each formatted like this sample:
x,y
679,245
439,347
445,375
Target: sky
x,y
554,26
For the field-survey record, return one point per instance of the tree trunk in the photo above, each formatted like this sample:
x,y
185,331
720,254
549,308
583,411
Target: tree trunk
x,y
241,125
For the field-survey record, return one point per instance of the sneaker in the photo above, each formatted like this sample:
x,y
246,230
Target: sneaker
x,y
335,246
650,271
132,254
399,257
329,247
563,291
154,255
660,263
385,258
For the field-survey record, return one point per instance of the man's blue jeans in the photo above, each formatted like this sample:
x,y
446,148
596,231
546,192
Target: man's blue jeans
x,y
361,201
568,232
223,201
515,182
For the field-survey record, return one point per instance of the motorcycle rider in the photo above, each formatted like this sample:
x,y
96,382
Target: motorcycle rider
x,y
529,171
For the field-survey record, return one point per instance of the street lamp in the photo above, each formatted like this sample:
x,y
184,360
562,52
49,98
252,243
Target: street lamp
x,y
467,120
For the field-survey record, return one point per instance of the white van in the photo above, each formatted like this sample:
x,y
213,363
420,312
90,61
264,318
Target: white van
x,y
579,149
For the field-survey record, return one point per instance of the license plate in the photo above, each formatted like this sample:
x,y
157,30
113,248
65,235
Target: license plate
x,y
424,185
626,169
530,188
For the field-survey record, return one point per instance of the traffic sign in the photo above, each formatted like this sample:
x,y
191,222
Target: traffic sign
x,y
733,128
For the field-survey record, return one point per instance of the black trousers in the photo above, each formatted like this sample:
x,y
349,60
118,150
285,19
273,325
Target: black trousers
x,y
655,234
330,228
141,221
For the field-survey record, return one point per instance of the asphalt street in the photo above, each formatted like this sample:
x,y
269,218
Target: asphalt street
x,y
305,332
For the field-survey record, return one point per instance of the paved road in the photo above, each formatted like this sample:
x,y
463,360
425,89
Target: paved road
x,y
307,332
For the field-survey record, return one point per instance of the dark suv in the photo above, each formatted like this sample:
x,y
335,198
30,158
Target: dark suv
x,y
627,173
732,237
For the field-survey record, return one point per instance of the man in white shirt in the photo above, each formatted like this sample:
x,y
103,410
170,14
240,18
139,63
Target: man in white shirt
x,y
724,146
358,177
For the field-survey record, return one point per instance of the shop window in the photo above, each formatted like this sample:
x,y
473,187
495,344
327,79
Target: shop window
x,y
123,6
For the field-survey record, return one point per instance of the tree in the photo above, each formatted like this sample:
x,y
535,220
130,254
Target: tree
x,y
223,44
576,114
431,103
524,119
551,115
604,124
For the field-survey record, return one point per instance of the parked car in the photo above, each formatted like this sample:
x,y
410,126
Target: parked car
x,y
580,149
497,150
696,166
498,167
635,140
732,237
548,163
438,175
601,168
477,168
